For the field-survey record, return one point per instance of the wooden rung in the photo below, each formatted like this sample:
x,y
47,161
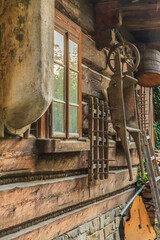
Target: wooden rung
x,y
100,104
104,146
101,118
101,160
99,167
157,178
129,129
106,132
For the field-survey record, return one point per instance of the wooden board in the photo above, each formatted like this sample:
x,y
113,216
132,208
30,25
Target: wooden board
x,y
139,226
89,51
141,15
57,226
61,146
19,157
22,202
15,159
93,83
80,12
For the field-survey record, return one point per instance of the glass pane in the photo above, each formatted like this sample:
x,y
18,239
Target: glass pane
x,y
73,119
73,87
58,117
73,55
58,91
58,47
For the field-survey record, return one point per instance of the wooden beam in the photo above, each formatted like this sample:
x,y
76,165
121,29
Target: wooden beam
x,y
61,146
19,157
22,202
89,51
141,16
57,226
80,12
93,83
139,6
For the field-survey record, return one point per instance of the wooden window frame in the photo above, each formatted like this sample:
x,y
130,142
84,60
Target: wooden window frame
x,y
71,32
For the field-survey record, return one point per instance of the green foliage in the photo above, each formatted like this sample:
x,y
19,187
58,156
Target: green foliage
x,y
156,98
157,133
140,180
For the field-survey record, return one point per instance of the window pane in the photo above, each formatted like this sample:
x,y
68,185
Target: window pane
x,y
73,119
58,91
73,55
58,117
58,47
73,87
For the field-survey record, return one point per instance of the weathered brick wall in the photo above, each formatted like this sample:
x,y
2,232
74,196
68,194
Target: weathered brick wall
x,y
104,227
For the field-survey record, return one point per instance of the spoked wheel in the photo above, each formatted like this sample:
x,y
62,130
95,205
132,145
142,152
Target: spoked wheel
x,y
129,57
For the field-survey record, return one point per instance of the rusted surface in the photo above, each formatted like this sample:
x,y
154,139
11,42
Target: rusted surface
x,y
139,226
26,61
26,201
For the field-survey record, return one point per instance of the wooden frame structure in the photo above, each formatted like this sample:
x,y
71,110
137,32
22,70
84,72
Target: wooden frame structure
x,y
122,93
143,108
99,139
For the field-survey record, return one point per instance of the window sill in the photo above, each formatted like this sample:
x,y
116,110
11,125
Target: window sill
x,y
59,146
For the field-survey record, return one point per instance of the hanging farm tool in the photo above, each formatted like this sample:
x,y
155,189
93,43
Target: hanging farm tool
x,y
123,59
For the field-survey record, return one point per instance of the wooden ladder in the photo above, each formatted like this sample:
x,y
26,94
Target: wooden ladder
x,y
152,171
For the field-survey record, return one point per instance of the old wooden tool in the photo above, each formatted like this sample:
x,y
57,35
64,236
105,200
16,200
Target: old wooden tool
x,y
139,226
129,56
123,59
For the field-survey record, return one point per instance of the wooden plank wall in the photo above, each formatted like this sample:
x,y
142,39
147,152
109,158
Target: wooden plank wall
x,y
45,195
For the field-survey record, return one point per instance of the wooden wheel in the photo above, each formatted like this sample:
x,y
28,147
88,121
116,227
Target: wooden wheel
x,y
129,57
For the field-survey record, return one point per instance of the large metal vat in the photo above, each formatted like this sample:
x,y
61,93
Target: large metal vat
x,y
26,65
149,69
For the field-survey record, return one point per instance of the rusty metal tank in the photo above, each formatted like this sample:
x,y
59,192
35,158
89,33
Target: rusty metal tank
x,y
149,69
26,65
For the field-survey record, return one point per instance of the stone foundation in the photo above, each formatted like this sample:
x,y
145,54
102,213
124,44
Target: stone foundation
x,y
104,227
